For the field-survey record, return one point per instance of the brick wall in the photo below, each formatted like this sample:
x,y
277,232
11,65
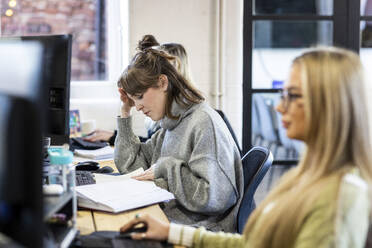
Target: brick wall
x,y
76,17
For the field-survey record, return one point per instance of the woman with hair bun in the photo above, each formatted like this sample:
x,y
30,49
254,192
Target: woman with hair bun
x,y
193,155
180,63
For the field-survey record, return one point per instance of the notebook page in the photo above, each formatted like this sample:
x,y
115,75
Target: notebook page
x,y
102,153
125,194
102,178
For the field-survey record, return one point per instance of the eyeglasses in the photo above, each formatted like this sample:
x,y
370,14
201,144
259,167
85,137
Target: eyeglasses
x,y
288,97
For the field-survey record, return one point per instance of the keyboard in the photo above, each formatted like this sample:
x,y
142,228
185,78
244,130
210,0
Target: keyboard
x,y
84,178
110,239
80,143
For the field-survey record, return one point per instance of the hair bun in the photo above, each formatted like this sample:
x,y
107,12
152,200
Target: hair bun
x,y
146,42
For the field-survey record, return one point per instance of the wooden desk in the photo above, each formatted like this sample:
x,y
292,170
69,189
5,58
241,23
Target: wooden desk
x,y
91,220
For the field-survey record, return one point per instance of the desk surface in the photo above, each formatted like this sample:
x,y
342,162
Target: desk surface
x,y
91,220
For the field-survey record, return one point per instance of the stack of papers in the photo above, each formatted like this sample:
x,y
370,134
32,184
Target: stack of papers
x,y
106,152
120,193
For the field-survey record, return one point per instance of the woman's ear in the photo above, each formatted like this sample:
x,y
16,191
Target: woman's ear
x,y
163,79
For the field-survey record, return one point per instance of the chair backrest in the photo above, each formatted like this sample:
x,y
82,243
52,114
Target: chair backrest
x,y
255,120
224,118
256,162
267,125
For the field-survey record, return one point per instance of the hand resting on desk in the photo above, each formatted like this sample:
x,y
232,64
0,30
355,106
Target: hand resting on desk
x,y
156,229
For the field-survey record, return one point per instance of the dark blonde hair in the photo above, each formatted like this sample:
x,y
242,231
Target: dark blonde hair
x,y
337,140
181,62
145,70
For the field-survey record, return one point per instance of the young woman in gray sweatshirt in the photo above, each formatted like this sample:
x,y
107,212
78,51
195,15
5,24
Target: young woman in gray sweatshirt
x,y
193,155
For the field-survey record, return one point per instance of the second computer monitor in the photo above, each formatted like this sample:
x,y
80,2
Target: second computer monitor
x,y
22,120
57,69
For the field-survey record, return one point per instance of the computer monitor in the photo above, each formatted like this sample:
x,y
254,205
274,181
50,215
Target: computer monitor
x,y
57,69
22,122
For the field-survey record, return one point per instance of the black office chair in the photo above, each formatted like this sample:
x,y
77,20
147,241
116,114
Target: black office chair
x,y
224,118
256,162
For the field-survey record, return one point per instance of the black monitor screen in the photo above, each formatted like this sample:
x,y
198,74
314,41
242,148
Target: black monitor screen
x,y
22,116
57,67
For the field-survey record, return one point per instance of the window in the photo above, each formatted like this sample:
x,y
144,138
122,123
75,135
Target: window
x,y
366,32
96,49
275,32
84,19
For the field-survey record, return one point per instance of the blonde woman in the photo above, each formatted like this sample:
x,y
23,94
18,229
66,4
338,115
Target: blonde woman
x,y
325,201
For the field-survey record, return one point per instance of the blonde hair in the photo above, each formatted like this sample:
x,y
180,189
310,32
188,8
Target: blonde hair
x,y
181,62
337,139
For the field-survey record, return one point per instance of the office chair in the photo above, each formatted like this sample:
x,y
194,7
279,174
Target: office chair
x,y
256,162
267,124
256,129
224,118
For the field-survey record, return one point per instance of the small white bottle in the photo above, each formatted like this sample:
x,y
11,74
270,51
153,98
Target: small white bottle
x,y
62,170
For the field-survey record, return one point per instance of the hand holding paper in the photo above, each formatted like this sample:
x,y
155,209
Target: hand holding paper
x,y
146,175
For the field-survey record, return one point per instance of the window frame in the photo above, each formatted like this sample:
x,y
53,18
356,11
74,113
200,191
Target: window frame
x,y
117,54
346,13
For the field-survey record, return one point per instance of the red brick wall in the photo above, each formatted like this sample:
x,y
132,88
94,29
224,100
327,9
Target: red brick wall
x,y
76,17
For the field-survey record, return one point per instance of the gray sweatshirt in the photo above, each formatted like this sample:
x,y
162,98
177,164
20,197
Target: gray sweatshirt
x,y
196,159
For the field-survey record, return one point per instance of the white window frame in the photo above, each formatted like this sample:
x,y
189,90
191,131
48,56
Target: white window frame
x,y
117,16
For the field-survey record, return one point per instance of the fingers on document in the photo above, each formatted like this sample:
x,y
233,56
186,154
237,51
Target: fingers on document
x,y
143,177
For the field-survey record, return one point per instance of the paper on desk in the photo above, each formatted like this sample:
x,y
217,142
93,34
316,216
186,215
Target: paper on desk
x,y
102,153
122,195
102,178
78,159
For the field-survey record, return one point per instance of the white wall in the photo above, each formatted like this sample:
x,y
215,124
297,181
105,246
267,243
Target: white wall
x,y
211,31
366,57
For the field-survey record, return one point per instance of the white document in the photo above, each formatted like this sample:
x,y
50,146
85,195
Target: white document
x,y
103,178
121,195
102,153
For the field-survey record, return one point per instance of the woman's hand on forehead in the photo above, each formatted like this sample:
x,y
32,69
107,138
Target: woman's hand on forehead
x,y
125,98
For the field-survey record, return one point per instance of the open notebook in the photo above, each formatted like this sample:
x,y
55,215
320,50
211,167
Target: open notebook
x,y
120,194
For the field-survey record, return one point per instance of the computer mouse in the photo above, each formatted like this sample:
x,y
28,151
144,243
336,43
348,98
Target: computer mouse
x,y
134,229
87,166
104,169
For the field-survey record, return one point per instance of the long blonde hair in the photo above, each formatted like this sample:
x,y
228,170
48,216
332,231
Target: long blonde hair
x,y
337,139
